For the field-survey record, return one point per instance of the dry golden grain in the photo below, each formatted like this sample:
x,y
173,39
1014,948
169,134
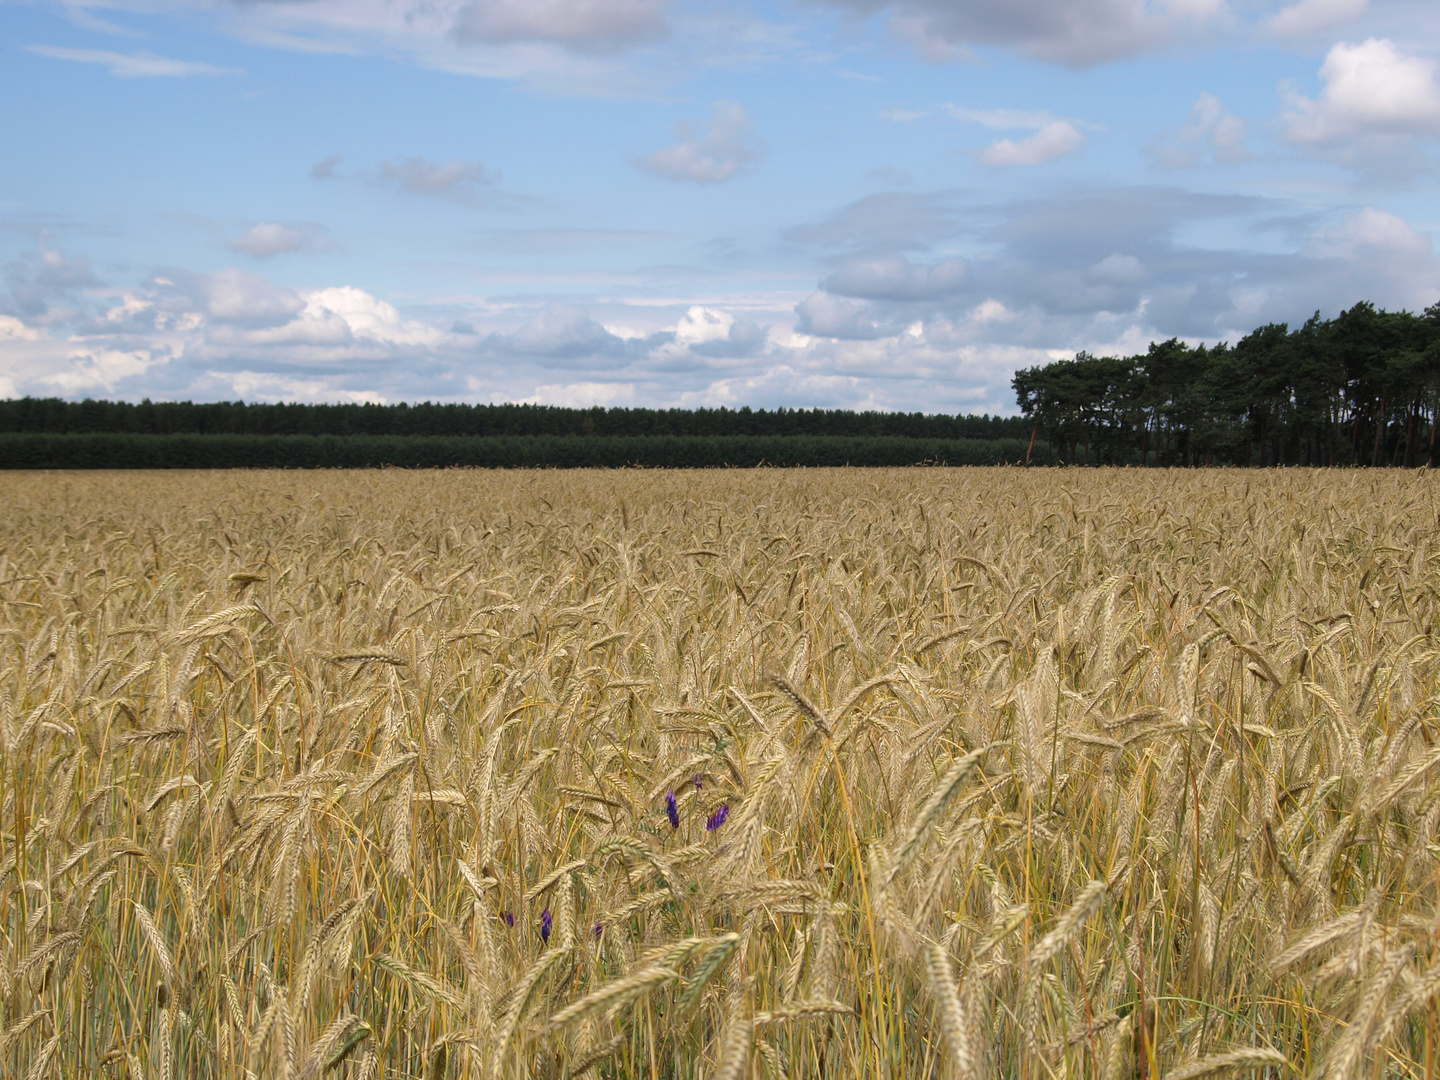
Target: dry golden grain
x,y
388,770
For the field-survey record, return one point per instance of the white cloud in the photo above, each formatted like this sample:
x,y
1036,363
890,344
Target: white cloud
x,y
141,65
583,395
1374,238
991,311
1210,129
580,24
271,386
1225,133
1117,269
824,315
238,296
702,324
338,316
183,334
561,330
1055,140
266,239
709,332
1310,17
45,366
12,329
128,310
368,317
725,148
1372,88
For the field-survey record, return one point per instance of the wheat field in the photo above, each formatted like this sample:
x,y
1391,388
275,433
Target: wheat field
x,y
927,773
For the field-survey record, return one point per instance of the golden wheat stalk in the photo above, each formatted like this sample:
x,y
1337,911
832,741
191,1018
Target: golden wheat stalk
x,y
1243,1060
735,1049
616,994
953,1022
1068,925
929,813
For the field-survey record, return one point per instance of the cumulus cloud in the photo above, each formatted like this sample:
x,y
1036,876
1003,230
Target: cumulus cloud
x,y
718,154
141,65
822,314
1311,17
1053,137
12,329
702,325
81,368
457,180
1055,140
577,24
368,317
235,315
1373,88
560,331
1078,33
719,335
266,239
238,296
1211,130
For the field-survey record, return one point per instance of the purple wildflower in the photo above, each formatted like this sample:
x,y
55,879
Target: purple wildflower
x,y
546,922
672,811
718,817
599,929
509,917
698,781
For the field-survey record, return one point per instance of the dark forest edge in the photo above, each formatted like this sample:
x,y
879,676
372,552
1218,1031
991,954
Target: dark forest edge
x,y
20,450
58,417
1359,389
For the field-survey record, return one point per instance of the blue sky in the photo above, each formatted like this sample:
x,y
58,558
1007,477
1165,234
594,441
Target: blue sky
x,y
841,203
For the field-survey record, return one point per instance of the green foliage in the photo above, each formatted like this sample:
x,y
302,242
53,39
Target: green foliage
x,y
1362,388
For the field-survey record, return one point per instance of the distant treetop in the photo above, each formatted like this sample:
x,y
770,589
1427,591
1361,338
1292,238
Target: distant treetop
x,y
1362,388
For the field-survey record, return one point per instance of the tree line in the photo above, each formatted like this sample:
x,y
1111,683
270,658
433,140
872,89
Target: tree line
x,y
1362,388
59,417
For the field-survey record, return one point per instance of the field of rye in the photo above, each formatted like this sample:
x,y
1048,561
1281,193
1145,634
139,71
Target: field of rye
x,y
918,773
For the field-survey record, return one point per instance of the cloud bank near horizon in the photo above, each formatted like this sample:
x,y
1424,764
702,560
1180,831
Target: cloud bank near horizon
x,y
893,323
